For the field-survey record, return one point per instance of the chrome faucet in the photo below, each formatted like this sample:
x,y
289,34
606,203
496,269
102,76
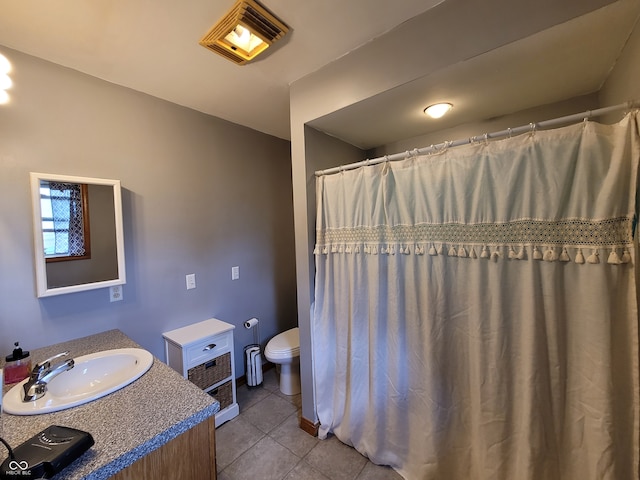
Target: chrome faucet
x,y
42,374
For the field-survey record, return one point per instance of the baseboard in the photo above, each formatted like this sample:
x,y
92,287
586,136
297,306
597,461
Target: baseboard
x,y
309,427
243,379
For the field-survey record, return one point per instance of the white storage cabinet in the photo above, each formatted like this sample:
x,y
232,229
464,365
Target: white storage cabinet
x,y
203,354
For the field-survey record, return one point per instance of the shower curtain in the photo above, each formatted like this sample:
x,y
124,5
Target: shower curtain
x,y
476,312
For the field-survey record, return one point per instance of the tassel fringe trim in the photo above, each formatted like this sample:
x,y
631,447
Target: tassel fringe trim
x,y
616,255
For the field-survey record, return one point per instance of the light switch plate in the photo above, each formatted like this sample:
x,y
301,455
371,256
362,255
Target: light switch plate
x,y
235,273
191,281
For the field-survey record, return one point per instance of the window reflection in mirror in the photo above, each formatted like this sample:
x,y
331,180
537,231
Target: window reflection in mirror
x,y
65,221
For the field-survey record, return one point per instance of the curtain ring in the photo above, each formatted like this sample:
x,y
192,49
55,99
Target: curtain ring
x,y
533,127
486,139
631,106
509,132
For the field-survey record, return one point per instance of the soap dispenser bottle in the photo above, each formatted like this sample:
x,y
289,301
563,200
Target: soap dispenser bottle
x,y
17,366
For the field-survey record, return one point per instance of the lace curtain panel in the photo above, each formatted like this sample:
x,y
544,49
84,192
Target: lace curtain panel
x,y
68,221
475,310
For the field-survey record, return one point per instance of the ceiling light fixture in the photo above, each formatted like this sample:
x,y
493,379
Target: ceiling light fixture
x,y
247,30
438,110
5,65
5,80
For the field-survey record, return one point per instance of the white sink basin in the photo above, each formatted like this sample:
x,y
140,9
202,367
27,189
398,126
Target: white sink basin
x,y
93,376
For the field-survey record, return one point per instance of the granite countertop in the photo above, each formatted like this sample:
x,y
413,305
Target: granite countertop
x,y
127,424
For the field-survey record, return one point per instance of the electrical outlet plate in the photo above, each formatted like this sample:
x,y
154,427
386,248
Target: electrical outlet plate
x,y
191,281
115,293
235,273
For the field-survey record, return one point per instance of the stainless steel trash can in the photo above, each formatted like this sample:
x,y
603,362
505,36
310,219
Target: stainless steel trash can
x,y
253,365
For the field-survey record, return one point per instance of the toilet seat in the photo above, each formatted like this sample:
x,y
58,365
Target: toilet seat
x,y
284,345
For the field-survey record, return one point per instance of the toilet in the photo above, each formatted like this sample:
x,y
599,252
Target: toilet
x,y
284,351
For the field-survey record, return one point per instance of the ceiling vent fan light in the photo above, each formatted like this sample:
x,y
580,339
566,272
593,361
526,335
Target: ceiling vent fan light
x,y
244,32
438,110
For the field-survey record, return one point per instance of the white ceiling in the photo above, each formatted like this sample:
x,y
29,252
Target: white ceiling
x,y
565,61
152,47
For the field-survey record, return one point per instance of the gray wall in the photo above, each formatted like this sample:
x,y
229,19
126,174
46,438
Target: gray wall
x,y
623,83
200,195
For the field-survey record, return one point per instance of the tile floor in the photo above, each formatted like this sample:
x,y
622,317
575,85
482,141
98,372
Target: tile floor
x,y
265,442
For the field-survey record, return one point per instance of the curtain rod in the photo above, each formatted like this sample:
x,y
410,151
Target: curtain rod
x,y
487,136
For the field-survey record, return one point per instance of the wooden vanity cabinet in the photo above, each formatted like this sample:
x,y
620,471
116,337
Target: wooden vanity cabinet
x,y
189,456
